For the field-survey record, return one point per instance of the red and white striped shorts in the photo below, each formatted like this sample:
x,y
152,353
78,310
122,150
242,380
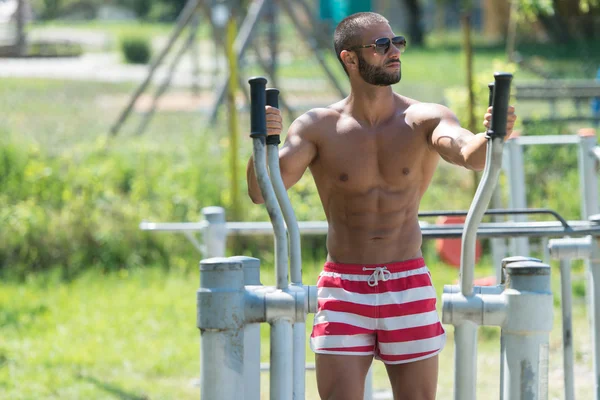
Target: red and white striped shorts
x,y
388,311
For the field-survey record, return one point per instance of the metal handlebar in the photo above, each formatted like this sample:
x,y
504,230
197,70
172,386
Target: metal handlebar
x,y
493,166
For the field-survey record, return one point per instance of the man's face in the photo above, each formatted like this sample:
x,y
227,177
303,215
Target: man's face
x,y
387,74
379,69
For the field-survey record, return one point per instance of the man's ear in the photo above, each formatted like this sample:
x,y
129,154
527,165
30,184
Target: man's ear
x,y
349,59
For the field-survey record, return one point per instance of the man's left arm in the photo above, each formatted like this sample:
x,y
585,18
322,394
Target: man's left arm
x,y
458,145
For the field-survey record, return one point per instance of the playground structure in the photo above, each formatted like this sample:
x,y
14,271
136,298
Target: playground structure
x,y
521,303
221,15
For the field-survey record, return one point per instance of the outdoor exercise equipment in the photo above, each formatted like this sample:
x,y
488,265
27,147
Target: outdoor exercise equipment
x,y
521,304
231,300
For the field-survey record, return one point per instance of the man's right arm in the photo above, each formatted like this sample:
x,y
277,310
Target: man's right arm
x,y
296,154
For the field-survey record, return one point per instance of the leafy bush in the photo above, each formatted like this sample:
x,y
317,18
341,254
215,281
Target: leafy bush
x,y
136,49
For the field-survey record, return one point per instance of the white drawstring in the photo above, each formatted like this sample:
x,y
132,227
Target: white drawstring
x,y
379,273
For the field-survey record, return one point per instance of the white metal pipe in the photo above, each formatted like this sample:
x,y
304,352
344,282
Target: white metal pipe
x,y
480,203
288,214
215,234
221,375
594,313
517,199
567,329
368,395
465,361
274,211
547,139
220,318
281,379
526,332
299,329
588,183
589,194
251,268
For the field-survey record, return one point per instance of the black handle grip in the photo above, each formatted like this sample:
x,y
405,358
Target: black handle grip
x,y
273,101
500,100
258,119
273,97
491,95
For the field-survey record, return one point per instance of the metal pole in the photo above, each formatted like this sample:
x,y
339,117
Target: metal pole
x,y
465,361
587,173
567,328
486,187
281,380
215,235
251,268
299,329
518,197
526,332
589,187
220,318
594,312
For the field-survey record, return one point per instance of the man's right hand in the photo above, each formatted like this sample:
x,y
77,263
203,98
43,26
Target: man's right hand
x,y
274,121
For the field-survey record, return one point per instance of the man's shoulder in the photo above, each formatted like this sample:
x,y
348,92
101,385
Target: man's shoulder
x,y
317,118
423,111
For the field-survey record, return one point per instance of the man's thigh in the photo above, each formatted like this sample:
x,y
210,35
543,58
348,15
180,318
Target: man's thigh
x,y
341,377
414,381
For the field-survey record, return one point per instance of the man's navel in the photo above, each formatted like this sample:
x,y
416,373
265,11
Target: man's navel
x,y
406,171
344,177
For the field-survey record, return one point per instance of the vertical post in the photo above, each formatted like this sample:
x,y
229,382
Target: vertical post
x,y
299,329
593,296
281,381
220,318
518,198
465,361
587,173
589,195
567,328
21,36
251,268
215,235
526,332
502,281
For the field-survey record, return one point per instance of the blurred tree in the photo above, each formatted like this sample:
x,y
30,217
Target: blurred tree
x,y
416,34
569,20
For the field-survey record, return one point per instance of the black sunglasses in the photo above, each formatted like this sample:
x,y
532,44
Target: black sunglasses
x,y
382,45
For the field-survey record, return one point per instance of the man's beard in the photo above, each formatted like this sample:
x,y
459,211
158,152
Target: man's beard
x,y
377,75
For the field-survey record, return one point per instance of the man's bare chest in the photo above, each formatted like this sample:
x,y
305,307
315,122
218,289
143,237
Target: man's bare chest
x,y
363,158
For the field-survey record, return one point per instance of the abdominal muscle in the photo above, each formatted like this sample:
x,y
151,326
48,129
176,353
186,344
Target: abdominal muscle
x,y
373,228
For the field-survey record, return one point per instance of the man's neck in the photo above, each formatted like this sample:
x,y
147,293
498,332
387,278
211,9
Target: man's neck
x,y
371,104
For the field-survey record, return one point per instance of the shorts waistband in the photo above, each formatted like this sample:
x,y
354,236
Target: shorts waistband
x,y
367,269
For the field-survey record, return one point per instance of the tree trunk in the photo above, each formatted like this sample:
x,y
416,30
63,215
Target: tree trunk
x,y
495,19
21,38
415,27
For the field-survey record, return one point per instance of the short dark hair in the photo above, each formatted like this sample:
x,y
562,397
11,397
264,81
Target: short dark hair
x,y
348,32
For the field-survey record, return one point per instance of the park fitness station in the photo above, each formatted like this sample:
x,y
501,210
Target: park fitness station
x,y
232,303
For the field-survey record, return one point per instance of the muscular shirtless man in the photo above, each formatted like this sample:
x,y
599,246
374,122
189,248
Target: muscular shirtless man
x,y
372,156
